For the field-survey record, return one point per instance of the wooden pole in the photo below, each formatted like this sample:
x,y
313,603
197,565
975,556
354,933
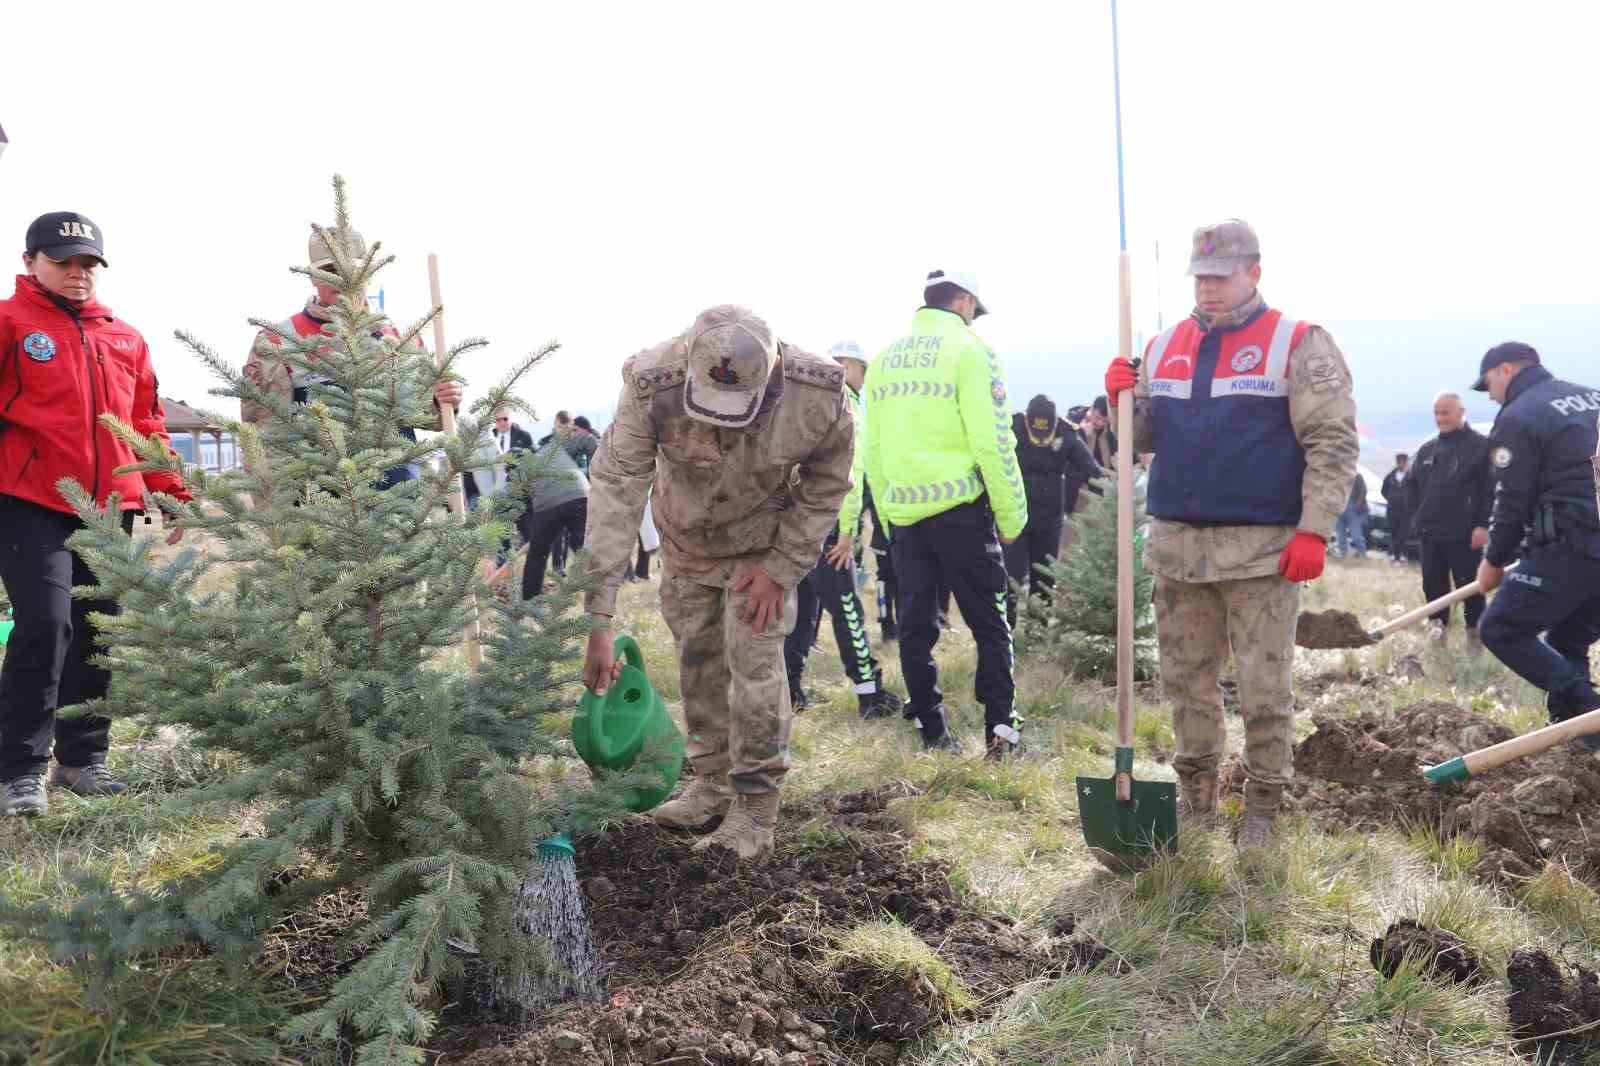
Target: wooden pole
x,y
1123,778
1412,617
1474,763
458,496
1125,460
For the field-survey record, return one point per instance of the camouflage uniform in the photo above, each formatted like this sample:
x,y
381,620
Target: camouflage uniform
x,y
1218,587
724,500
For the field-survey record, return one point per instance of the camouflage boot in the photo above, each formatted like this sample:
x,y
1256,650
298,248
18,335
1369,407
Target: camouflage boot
x,y
1260,825
703,800
748,828
1197,797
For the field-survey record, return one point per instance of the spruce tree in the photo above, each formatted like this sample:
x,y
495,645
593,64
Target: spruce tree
x,y
316,639
1076,624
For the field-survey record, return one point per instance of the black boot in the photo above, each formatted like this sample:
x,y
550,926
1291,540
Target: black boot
x,y
1580,702
880,704
935,730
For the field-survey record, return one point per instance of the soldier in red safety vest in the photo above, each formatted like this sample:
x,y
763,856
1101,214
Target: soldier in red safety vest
x,y
1252,422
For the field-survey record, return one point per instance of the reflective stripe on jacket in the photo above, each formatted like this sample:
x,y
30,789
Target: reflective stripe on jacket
x,y
938,431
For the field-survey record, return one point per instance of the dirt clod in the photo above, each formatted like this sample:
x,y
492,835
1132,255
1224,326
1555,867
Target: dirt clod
x,y
1330,629
1542,1001
1439,952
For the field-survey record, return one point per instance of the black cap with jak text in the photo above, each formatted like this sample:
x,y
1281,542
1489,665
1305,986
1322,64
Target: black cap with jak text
x,y
64,234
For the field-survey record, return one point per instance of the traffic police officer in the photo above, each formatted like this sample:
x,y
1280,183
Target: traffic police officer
x,y
943,468
831,584
1540,451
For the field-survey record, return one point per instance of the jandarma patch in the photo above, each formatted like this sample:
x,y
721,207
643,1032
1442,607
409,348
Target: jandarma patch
x,y
1501,457
41,347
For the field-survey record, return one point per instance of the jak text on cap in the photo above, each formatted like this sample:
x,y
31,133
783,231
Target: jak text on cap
x,y
64,234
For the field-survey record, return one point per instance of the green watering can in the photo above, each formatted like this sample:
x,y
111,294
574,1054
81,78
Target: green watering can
x,y
612,731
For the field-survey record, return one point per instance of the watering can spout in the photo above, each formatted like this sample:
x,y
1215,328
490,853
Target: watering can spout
x,y
556,847
629,728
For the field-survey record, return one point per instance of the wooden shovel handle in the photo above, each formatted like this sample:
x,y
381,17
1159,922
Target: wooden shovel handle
x,y
1411,618
447,422
1485,759
1124,782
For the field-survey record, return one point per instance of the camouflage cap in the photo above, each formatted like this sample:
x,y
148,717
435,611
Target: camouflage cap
x,y
1223,247
731,352
317,250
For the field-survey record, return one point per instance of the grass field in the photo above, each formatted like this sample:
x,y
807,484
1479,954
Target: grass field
x,y
1223,961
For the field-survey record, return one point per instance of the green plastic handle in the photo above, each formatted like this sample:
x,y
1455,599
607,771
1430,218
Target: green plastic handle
x,y
627,649
1454,770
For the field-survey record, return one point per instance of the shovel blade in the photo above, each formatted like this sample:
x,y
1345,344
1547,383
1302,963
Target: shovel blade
x,y
1126,836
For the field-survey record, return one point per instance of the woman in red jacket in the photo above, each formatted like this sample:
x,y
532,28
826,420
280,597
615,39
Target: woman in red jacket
x,y
64,362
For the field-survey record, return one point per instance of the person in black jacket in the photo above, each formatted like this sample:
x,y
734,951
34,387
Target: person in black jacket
x,y
1394,494
1055,467
1449,494
1545,510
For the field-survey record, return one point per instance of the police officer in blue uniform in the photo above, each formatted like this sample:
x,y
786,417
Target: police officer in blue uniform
x,y
1544,507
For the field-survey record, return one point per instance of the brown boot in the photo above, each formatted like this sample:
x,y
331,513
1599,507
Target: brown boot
x,y
701,802
1260,825
1197,797
747,830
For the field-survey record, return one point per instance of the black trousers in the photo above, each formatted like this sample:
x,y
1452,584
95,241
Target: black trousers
x,y
960,548
1555,591
1443,561
1399,532
641,567
888,583
47,660
558,552
540,529
1037,546
834,591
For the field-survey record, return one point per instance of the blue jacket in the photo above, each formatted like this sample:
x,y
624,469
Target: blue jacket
x,y
1540,450
1226,449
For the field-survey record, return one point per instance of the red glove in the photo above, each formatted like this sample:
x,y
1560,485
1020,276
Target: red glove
x,y
1121,376
1304,558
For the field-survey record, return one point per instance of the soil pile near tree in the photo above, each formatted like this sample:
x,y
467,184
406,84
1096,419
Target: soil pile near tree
x,y
711,962
1366,771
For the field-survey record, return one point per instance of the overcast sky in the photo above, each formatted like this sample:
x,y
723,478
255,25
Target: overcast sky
x,y
597,173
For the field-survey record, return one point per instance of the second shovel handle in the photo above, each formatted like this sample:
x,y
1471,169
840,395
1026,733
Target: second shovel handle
x,y
1411,618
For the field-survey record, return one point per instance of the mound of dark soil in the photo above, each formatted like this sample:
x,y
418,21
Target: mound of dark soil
x,y
1439,952
1366,771
1330,629
711,962
1542,1001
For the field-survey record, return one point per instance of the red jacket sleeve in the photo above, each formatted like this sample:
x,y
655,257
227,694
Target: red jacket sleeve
x,y
150,419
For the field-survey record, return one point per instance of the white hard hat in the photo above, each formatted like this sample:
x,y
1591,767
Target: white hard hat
x,y
961,280
847,350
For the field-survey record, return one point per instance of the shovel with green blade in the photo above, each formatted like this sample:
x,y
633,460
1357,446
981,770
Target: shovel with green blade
x,y
1126,823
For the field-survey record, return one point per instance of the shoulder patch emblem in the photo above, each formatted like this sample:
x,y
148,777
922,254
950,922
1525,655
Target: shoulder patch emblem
x,y
1501,457
816,373
657,378
1246,359
41,347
